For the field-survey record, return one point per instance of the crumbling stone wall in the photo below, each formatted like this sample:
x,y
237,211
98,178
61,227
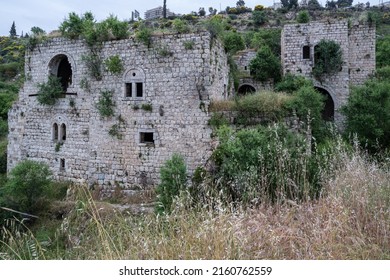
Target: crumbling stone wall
x,y
177,84
358,46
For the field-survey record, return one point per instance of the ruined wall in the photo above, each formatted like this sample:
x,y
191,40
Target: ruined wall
x,y
357,44
177,84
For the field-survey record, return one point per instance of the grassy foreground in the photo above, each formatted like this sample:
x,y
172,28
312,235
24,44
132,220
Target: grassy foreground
x,y
351,220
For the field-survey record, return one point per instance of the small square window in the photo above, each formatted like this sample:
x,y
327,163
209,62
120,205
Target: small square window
x,y
146,138
129,89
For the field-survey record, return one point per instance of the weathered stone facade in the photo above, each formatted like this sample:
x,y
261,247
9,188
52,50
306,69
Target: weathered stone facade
x,y
161,102
358,46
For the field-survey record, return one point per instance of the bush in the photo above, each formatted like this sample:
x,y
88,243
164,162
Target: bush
x,y
233,42
383,51
173,175
180,26
144,35
93,63
259,17
307,102
49,92
265,65
27,185
268,37
105,104
265,164
303,17
291,83
74,26
114,64
368,114
327,58
3,156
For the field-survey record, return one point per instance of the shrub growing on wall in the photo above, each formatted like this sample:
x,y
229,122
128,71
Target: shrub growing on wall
x,y
49,92
105,104
303,17
327,58
114,64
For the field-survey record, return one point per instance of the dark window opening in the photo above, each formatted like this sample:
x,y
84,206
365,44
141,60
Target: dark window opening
x,y
147,137
306,52
246,89
328,111
63,132
65,73
139,89
246,68
129,89
55,132
62,164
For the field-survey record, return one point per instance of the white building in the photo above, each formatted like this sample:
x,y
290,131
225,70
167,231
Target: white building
x,y
157,13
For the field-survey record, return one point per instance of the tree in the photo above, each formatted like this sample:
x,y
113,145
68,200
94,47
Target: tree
x,y
37,31
240,3
233,42
212,11
383,51
314,5
12,32
27,184
165,9
331,4
265,65
259,17
289,4
327,58
368,114
201,12
344,3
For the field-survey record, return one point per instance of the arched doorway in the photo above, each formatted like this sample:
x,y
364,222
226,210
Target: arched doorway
x,y
60,67
245,89
328,111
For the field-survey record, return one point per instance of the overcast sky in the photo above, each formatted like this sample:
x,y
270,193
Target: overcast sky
x,y
48,14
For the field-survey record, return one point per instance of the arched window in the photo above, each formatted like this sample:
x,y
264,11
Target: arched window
x,y
246,89
134,83
60,67
62,132
306,52
54,132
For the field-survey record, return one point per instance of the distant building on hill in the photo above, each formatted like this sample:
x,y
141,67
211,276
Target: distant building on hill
x,y
157,13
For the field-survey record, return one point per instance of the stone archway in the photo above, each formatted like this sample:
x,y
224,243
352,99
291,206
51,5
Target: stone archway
x,y
329,108
60,66
245,89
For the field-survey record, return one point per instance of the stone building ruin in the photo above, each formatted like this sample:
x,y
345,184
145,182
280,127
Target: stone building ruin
x,y
161,102
357,42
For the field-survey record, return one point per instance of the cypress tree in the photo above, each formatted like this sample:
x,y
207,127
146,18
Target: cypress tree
x,y
12,31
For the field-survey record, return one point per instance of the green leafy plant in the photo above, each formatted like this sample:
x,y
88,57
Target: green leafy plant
x,y
93,62
259,17
27,184
144,35
173,176
189,45
164,51
180,26
105,104
303,17
147,107
114,64
49,92
114,132
328,58
84,84
265,65
233,42
291,83
74,26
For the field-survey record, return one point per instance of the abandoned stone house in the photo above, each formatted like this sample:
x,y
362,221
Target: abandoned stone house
x,y
161,100
357,42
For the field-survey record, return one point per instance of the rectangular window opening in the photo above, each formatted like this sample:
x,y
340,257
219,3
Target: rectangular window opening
x,y
62,164
139,89
306,52
129,89
146,138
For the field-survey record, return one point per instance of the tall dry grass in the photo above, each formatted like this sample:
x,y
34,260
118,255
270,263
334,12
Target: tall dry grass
x,y
350,221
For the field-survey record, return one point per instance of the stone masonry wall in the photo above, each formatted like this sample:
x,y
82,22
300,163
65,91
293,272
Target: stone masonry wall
x,y
357,45
178,85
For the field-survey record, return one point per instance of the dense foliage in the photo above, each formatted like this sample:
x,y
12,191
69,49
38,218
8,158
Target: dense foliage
x,y
49,92
173,179
327,58
265,65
